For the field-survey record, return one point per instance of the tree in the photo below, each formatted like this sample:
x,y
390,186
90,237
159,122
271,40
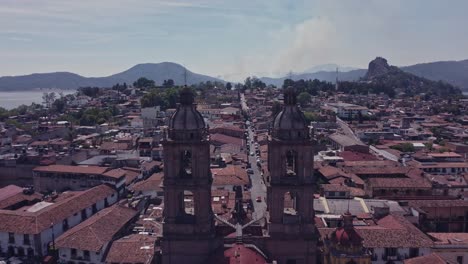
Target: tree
x,y
303,98
168,83
59,105
144,83
276,108
228,86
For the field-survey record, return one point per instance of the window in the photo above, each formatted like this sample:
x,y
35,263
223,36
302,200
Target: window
x,y
414,252
65,225
186,164
291,163
30,252
73,253
291,261
460,259
290,203
20,251
83,215
94,208
26,239
11,238
390,251
189,203
86,255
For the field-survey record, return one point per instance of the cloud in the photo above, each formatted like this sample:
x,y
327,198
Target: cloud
x,y
310,42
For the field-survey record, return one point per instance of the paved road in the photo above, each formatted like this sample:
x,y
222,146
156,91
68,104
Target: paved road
x,y
346,129
258,188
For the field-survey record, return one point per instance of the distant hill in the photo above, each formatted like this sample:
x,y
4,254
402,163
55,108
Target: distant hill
x,y
329,76
381,73
66,80
452,72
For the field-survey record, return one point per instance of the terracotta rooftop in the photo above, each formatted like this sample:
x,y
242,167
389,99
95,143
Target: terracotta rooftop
x,y
72,169
12,194
393,231
142,248
22,221
152,183
230,175
433,258
98,230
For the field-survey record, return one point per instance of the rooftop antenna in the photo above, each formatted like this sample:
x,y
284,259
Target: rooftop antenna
x,y
348,206
336,82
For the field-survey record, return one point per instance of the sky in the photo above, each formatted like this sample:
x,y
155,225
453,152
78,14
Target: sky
x,y
225,38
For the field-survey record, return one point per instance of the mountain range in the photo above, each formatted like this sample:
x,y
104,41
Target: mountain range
x,y
453,72
67,80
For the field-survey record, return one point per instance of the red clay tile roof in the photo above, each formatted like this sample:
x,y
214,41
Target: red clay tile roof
x,y
428,259
393,231
230,175
238,254
142,248
25,222
152,183
72,169
115,173
12,194
224,139
9,191
98,230
398,183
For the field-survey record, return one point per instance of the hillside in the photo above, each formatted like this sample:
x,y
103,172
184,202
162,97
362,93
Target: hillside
x,y
381,73
452,72
66,80
329,76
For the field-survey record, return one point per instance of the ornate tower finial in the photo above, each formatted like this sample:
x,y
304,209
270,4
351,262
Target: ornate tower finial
x,y
290,96
186,96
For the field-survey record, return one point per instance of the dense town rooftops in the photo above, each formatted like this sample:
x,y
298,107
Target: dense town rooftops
x,y
72,169
98,230
142,248
35,219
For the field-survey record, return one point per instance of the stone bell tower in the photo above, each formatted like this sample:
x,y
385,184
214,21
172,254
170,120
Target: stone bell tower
x,y
188,227
291,186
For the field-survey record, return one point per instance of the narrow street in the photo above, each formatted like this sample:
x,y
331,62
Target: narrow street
x,y
258,190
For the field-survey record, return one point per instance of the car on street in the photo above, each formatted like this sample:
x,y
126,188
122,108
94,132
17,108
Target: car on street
x,y
250,171
259,199
252,153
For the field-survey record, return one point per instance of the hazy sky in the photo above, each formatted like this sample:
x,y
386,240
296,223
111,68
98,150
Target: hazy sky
x,y
229,39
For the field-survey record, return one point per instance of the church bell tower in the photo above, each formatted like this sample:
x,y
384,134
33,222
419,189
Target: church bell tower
x,y
188,227
291,186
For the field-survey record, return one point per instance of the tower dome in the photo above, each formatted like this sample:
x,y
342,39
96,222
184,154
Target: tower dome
x,y
186,122
290,123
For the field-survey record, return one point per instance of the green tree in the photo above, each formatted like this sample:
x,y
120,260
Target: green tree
x,y
228,86
303,98
168,83
143,82
276,108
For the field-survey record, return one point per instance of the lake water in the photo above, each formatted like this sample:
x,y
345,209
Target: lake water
x,y
10,100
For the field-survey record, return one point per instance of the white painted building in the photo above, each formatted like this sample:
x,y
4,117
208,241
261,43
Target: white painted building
x,y
29,232
77,246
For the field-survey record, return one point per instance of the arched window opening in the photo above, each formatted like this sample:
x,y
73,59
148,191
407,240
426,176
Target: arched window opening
x,y
188,203
291,163
186,169
290,203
